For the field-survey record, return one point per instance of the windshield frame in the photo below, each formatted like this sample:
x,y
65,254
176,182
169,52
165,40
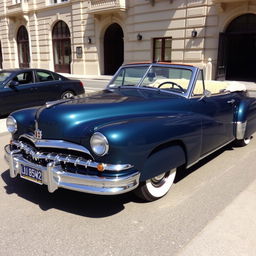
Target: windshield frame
x,y
194,72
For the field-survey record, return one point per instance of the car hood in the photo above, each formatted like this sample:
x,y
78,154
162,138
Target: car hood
x,y
75,118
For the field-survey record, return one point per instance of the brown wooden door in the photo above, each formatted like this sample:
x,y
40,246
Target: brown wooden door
x,y
61,47
23,47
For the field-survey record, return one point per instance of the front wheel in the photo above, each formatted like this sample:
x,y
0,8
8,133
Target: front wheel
x,y
156,187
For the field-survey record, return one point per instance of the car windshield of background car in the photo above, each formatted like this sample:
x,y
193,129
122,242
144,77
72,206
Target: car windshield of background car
x,y
3,77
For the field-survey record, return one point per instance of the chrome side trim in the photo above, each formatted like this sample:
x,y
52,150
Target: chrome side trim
x,y
54,177
240,130
61,144
64,158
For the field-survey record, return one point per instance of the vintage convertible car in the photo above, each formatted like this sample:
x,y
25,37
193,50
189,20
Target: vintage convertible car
x,y
150,120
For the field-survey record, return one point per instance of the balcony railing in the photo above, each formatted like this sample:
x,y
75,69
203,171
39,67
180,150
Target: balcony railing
x,y
227,1
101,6
20,7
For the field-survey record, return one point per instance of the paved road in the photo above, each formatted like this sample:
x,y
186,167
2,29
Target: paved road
x,y
208,212
91,85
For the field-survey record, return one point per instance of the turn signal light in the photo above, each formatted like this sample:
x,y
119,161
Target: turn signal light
x,y
100,167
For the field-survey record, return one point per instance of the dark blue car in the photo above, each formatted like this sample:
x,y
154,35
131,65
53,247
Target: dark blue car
x,y
20,88
134,135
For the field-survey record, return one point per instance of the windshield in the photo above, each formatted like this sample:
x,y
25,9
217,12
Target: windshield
x,y
3,77
173,79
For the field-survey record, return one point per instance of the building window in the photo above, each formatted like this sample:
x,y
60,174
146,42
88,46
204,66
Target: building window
x,y
162,49
57,1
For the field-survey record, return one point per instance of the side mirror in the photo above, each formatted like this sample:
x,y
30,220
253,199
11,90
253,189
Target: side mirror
x,y
206,94
13,84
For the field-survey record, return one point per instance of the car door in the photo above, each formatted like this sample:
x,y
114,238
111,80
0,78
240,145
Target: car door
x,y
20,95
48,88
217,113
217,124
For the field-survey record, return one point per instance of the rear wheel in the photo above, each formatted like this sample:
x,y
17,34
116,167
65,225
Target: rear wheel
x,y
156,187
68,95
244,142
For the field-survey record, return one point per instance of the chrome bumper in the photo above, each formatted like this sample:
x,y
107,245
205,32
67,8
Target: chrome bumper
x,y
54,177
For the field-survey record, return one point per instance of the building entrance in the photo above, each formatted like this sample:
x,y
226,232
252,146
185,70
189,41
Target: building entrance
x,y
113,49
237,50
23,47
61,47
1,57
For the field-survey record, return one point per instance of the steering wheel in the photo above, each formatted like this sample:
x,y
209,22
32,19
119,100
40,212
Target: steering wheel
x,y
172,85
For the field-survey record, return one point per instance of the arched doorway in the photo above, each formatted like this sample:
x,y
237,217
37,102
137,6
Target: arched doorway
x,y
23,47
61,47
113,49
1,56
237,50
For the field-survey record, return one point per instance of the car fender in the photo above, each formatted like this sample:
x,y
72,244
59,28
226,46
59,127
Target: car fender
x,y
245,116
163,161
134,140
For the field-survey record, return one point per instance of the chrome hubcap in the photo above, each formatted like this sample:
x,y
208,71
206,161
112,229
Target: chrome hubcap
x,y
68,95
159,180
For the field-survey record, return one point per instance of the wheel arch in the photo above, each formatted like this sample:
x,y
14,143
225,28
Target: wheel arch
x,y
163,158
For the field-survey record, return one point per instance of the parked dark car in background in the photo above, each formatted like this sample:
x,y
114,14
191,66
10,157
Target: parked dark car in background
x,y
151,120
21,88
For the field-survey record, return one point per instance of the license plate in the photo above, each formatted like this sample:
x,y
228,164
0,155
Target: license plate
x,y
32,174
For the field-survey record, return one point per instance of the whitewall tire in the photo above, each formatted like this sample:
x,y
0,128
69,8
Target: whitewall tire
x,y
156,187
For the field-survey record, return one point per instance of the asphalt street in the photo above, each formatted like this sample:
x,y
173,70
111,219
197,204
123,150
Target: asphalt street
x,y
210,210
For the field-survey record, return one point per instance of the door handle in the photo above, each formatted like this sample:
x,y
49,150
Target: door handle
x,y
232,101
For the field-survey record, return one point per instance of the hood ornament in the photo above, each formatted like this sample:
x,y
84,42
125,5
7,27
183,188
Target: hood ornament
x,y
38,134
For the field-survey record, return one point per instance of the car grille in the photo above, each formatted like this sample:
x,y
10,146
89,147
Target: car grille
x,y
70,160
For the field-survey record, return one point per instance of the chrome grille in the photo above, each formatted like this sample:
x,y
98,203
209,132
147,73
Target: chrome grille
x,y
70,161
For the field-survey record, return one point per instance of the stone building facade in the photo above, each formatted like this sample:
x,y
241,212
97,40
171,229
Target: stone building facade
x,y
94,37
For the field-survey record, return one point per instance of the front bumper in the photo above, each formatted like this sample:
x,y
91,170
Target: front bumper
x,y
54,177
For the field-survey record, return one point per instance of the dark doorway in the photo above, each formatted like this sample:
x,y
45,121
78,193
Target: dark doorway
x,y
61,47
237,50
23,47
1,56
113,49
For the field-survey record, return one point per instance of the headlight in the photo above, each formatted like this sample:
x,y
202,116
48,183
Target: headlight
x,y
99,144
11,124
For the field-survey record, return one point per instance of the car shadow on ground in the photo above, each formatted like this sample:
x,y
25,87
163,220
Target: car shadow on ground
x,y
89,205
183,172
94,206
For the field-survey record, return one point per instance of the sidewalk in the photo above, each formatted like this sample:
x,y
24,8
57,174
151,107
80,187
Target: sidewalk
x,y
231,233
82,77
3,129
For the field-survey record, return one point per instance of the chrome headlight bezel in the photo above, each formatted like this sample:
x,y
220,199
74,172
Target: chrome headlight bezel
x,y
99,144
11,124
